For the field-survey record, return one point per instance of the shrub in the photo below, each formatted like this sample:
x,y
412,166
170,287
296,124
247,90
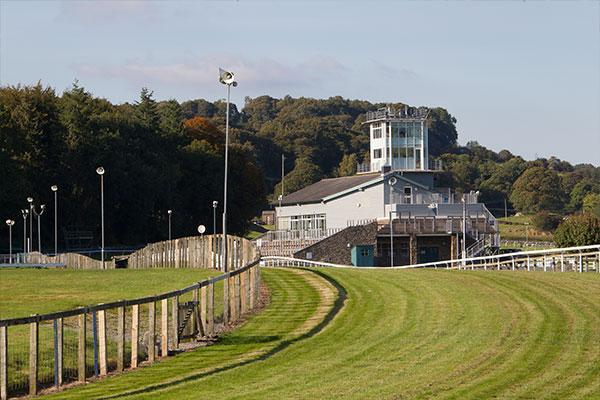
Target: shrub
x,y
544,221
578,230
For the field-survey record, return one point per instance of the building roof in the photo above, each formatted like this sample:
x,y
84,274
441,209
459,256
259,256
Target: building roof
x,y
316,192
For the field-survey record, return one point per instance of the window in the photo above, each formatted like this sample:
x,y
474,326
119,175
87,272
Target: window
x,y
364,252
407,195
377,133
377,153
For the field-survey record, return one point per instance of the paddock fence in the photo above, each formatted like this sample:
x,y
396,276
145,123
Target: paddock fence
x,y
568,259
46,352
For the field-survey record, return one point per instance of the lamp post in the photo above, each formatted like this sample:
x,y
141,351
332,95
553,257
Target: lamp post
x,y
201,230
464,231
30,241
227,79
215,204
170,212
100,171
10,224
25,213
38,216
54,188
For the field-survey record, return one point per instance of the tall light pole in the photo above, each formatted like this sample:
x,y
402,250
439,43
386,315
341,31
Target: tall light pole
x,y
227,79
100,171
30,242
169,212
25,213
10,224
38,215
215,204
464,231
282,174
54,188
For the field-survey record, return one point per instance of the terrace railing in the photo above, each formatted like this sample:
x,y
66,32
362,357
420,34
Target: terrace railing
x,y
574,259
47,351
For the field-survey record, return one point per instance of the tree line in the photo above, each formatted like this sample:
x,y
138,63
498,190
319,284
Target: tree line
x,y
162,155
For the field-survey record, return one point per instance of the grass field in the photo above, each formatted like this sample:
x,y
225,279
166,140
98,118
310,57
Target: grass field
x,y
394,334
37,291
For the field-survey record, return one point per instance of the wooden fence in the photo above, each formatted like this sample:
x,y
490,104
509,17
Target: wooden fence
x,y
51,350
194,252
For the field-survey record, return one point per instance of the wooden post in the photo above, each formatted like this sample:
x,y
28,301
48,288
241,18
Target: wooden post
x,y
151,331
193,319
225,300
81,349
175,317
203,319
232,299
135,334
252,288
3,363
58,352
120,339
164,328
33,357
210,309
102,342
243,293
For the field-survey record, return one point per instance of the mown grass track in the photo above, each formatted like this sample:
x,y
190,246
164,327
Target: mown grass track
x,y
400,334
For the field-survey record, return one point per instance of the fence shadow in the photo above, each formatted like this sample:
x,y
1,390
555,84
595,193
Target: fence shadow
x,y
337,306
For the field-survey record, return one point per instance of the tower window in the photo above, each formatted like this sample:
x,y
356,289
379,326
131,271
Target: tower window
x,y
377,133
377,153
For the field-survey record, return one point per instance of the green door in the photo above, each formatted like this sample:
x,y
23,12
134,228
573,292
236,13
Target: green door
x,y
427,254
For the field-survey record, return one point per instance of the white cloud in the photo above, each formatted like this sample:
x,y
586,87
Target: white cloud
x,y
263,73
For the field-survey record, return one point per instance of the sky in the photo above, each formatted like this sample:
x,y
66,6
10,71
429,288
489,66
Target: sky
x,y
523,76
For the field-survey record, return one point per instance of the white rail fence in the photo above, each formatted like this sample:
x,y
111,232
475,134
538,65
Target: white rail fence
x,y
567,259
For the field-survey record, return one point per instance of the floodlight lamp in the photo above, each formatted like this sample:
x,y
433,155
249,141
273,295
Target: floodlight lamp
x,y
24,212
201,229
43,206
30,199
10,222
226,77
215,203
392,181
169,212
54,188
280,197
100,170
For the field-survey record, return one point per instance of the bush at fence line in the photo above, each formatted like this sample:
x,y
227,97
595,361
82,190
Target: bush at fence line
x,y
578,230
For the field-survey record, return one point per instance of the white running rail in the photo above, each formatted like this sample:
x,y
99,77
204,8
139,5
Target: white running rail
x,y
576,259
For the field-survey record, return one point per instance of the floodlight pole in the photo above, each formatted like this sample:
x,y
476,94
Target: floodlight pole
x,y
225,183
464,232
10,224
100,171
25,213
54,188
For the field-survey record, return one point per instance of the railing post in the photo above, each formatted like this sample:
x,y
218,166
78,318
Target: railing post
x,y
528,266
175,317
33,357
544,261
251,287
58,351
226,300
102,342
513,263
164,328
3,362
562,262
120,339
151,331
580,263
135,334
210,309
81,348
203,301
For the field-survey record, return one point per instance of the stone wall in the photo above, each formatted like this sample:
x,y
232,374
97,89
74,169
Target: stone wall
x,y
335,249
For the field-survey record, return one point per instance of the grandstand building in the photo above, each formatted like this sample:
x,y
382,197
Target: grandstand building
x,y
338,219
